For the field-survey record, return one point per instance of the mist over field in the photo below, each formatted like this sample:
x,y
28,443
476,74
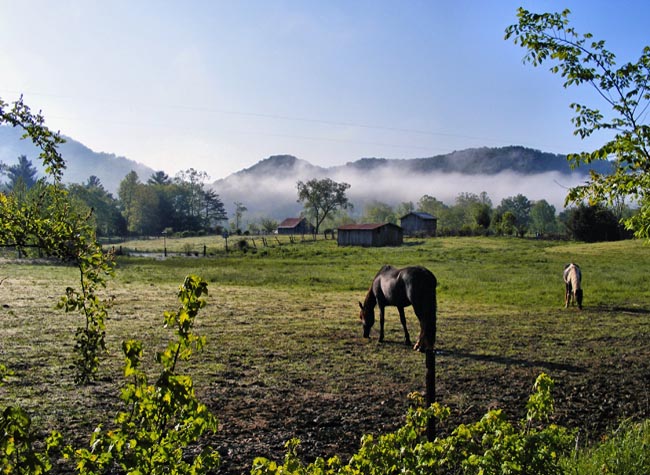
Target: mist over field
x,y
268,188
276,195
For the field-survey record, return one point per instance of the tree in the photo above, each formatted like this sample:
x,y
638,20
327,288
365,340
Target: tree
x,y
542,217
593,224
323,197
240,209
159,178
165,189
22,172
507,222
519,206
144,218
431,205
404,208
103,207
189,198
625,90
378,212
213,210
269,225
128,194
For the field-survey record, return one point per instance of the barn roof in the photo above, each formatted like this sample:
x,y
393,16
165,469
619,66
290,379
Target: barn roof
x,y
367,226
290,222
421,215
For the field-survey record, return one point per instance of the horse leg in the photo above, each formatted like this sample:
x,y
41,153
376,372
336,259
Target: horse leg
x,y
402,318
381,323
567,296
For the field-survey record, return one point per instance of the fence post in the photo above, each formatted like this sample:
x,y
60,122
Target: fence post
x,y
431,390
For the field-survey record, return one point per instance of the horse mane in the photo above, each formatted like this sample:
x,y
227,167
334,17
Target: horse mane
x,y
370,301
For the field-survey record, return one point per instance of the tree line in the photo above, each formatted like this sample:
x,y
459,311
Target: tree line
x,y
474,214
162,203
183,205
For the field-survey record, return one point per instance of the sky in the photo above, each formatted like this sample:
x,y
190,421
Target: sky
x,y
220,85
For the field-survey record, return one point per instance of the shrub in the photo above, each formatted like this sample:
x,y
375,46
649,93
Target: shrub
x,y
492,445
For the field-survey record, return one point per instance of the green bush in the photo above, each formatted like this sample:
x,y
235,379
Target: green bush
x,y
490,446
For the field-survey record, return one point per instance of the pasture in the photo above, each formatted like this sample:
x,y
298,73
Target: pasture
x,y
286,357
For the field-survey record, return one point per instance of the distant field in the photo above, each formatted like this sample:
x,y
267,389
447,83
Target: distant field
x,y
285,354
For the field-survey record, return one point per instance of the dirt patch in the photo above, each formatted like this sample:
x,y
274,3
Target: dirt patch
x,y
257,421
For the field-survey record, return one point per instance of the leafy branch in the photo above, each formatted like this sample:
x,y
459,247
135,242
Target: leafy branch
x,y
580,59
45,218
162,419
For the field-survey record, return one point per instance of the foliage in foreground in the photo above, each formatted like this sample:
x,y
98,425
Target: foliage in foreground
x,y
580,59
491,445
18,440
44,218
627,452
159,424
161,420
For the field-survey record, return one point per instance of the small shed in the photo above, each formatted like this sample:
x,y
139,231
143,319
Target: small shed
x,y
295,226
375,235
419,224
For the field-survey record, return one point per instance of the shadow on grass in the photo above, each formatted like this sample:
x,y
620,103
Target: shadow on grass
x,y
548,365
621,309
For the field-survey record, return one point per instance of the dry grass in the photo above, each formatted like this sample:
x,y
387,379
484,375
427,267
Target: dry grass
x,y
285,346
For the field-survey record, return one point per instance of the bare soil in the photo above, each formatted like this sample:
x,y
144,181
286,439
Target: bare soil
x,y
257,420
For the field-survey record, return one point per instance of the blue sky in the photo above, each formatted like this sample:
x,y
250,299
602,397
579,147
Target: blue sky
x,y
220,85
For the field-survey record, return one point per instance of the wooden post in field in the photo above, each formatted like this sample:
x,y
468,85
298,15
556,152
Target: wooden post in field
x,y
431,390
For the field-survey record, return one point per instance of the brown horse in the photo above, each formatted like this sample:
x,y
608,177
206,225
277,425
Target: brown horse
x,y
400,288
572,276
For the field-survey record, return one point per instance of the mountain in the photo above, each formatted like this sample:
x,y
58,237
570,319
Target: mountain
x,y
268,188
480,161
81,162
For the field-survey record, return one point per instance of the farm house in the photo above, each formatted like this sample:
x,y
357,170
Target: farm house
x,y
371,235
419,224
295,226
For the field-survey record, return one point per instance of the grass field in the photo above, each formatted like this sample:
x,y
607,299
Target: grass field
x,y
286,357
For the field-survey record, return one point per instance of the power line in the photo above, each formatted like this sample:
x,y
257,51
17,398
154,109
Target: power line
x,y
264,115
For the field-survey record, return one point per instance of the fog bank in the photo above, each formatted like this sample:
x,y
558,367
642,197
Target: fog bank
x,y
275,195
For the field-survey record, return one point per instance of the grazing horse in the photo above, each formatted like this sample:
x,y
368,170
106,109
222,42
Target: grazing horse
x,y
400,288
572,280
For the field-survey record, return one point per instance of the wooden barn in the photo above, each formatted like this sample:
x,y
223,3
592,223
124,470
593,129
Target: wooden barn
x,y
370,235
295,226
419,224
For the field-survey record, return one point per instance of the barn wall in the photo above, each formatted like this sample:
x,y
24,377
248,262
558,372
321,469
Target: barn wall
x,y
355,237
384,236
413,224
389,236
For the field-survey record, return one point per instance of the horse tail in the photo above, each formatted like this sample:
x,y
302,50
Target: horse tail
x,y
576,278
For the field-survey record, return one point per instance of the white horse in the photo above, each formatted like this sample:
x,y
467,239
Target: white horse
x,y
573,280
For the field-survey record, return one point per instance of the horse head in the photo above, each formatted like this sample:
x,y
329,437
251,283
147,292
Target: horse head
x,y
367,316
